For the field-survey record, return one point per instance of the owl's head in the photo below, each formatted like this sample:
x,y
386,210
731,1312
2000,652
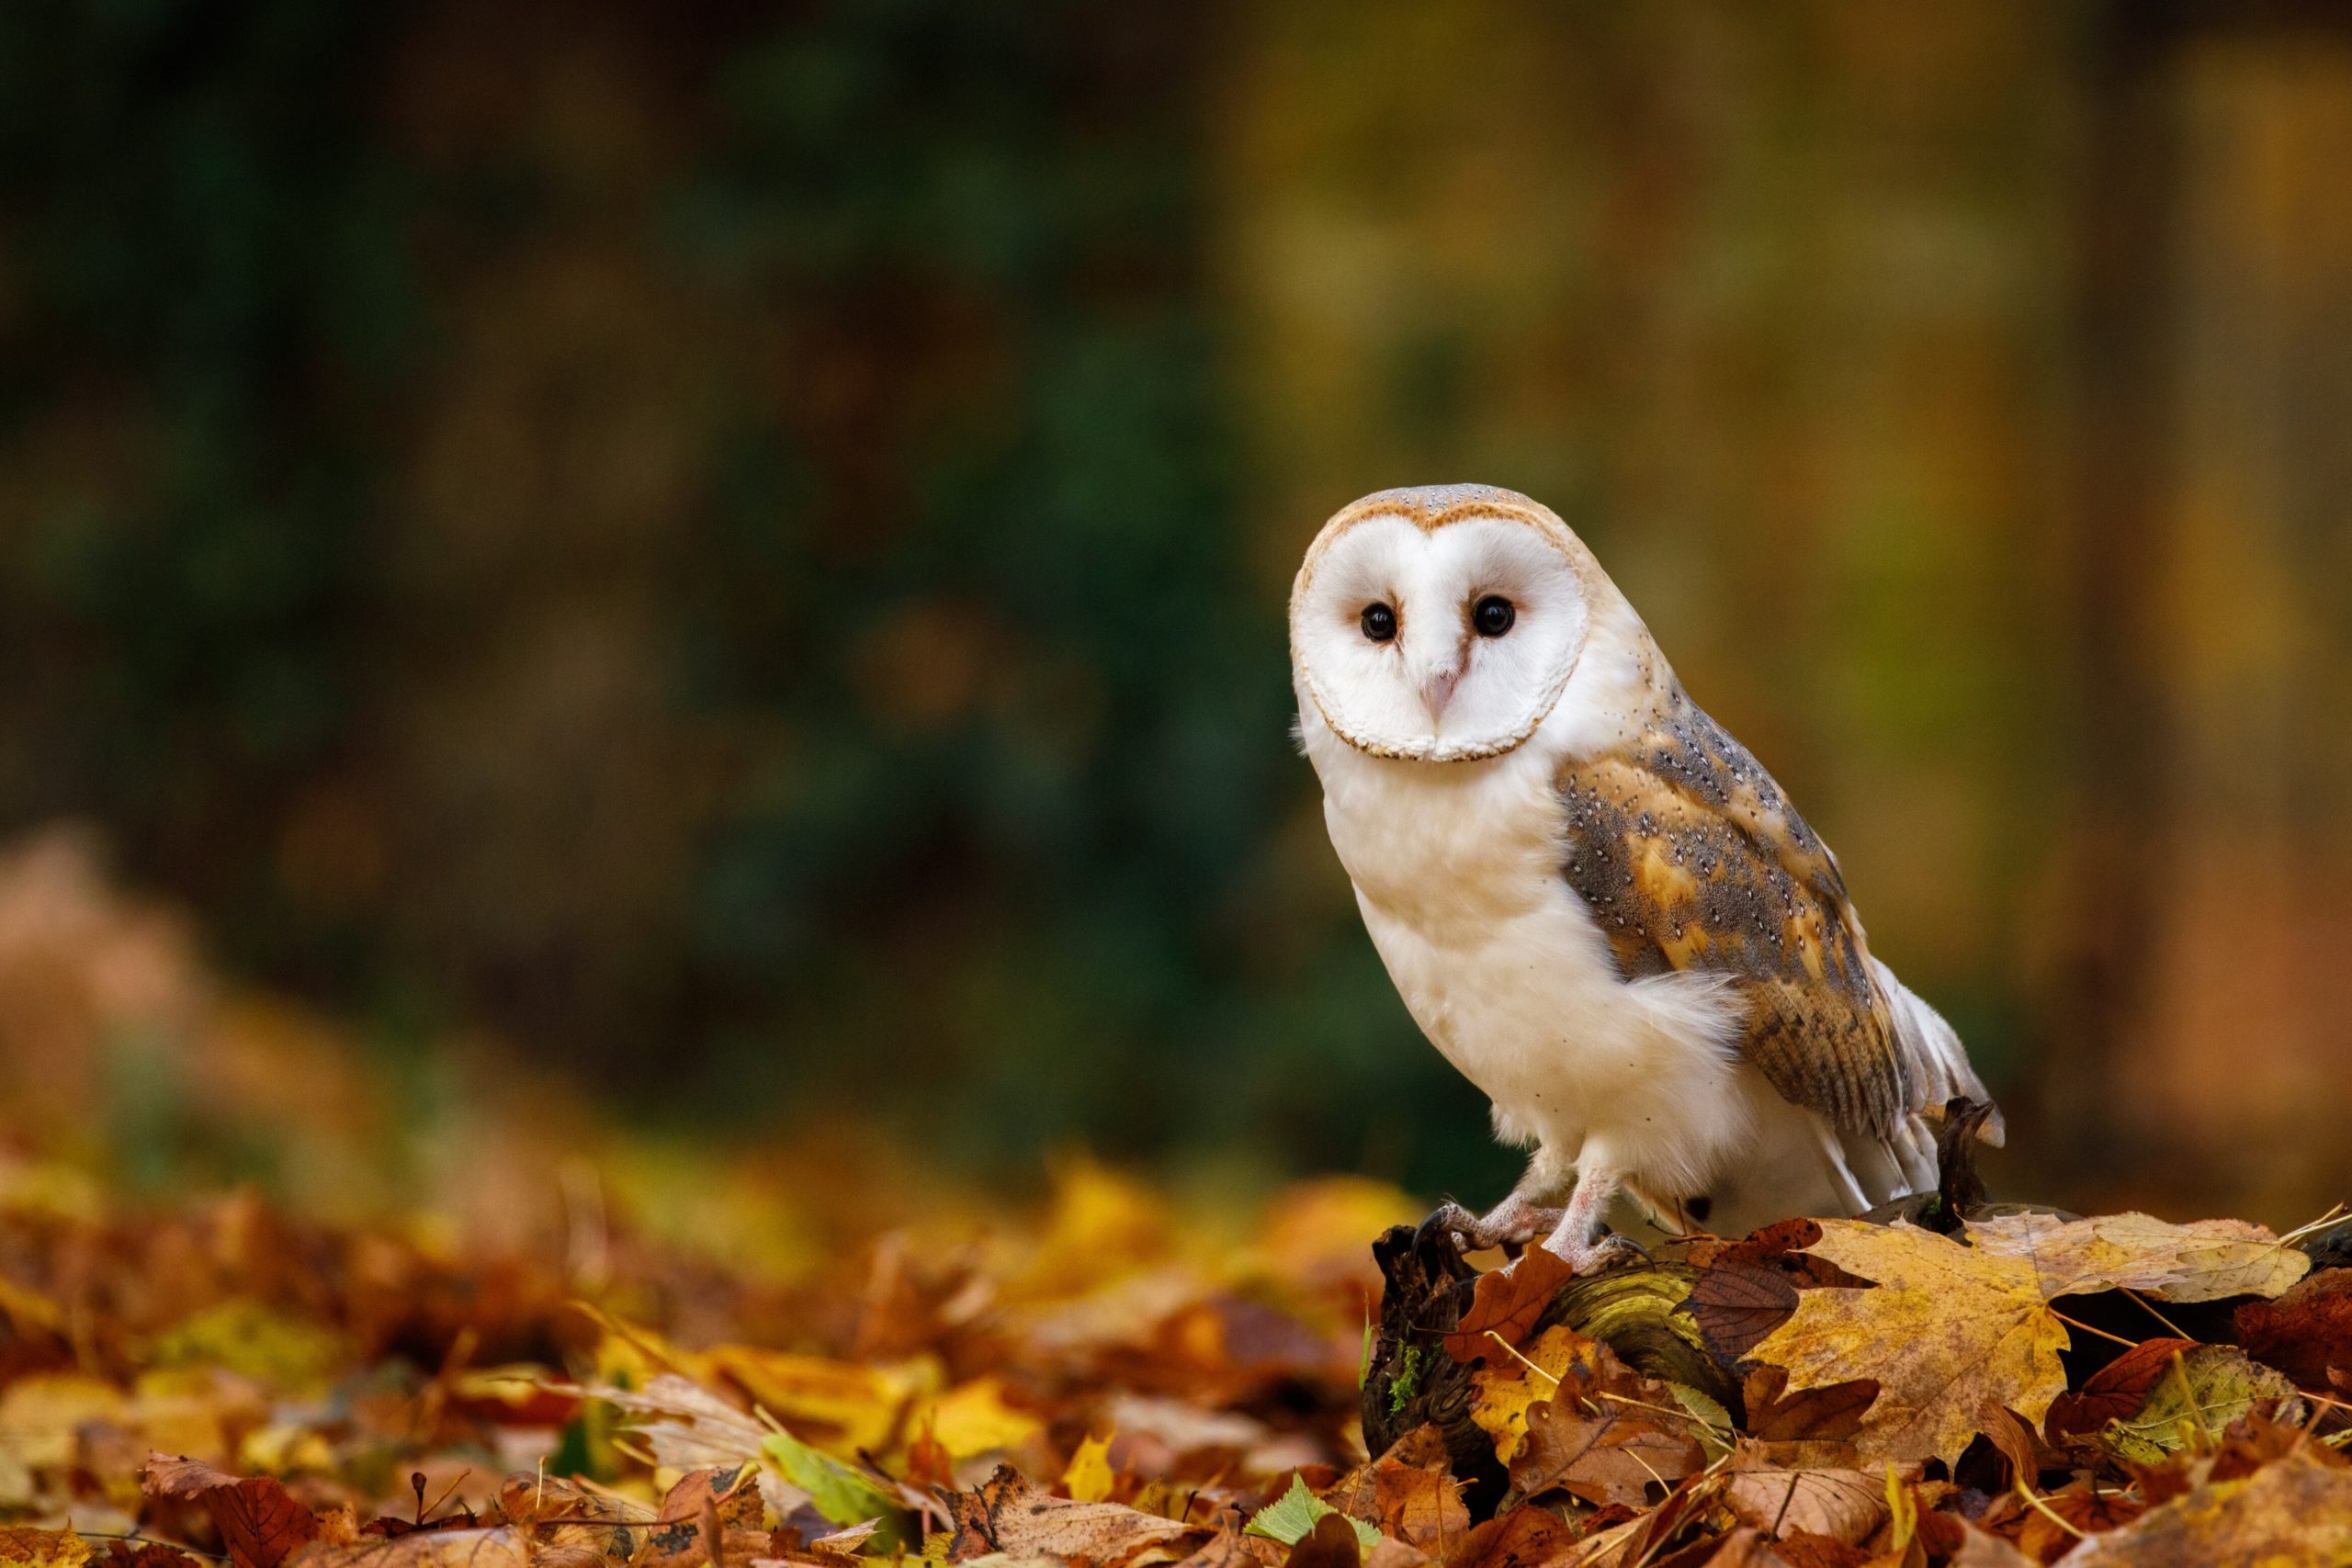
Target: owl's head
x,y
1440,623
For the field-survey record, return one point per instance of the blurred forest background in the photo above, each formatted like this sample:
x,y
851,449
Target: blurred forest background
x,y
741,550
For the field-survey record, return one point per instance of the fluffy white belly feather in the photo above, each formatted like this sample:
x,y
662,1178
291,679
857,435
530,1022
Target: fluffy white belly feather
x,y
1456,870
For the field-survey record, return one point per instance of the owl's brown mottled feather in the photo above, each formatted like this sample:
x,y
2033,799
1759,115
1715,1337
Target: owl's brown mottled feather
x,y
1691,858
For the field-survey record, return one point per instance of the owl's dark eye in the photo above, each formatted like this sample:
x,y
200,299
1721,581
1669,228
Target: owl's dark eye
x,y
1379,622
1492,615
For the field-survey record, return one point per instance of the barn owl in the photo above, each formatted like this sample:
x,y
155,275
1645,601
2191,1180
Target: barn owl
x,y
1592,899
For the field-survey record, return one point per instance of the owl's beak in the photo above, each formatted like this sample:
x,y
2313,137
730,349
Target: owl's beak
x,y
1437,690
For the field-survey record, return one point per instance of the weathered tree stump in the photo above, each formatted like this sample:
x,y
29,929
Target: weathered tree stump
x,y
1412,1379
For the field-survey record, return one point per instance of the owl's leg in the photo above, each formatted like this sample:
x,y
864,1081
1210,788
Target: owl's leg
x,y
1532,1210
1577,1240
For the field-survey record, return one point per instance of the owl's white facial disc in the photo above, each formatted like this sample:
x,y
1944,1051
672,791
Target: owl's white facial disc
x,y
1397,639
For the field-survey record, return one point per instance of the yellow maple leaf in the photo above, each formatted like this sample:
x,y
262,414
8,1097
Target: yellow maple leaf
x,y
847,1404
975,1420
21,1547
1509,1384
1951,1329
1088,1477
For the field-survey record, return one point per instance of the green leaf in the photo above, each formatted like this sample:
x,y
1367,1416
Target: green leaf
x,y
2191,1406
843,1495
1291,1517
1715,1429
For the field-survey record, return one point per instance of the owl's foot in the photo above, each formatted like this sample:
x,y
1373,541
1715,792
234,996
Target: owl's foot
x,y
1584,1257
1512,1222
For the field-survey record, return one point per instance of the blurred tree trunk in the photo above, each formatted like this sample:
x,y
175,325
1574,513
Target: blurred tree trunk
x,y
2114,565
2203,1006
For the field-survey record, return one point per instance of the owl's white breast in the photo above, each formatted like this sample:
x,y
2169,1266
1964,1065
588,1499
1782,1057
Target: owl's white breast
x,y
1456,867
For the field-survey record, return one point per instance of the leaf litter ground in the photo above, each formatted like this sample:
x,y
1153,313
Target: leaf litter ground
x,y
874,1368
223,1382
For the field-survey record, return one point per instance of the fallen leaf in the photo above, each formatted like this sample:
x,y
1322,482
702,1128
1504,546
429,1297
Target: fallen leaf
x,y
1799,1550
1526,1537
1829,1414
1330,1543
2014,1441
2293,1513
1505,1388
1845,1505
975,1419
1005,1514
1294,1516
2306,1333
1742,1548
1407,1493
842,1494
849,1405
1613,1456
1748,1289
259,1521
2050,1524
2113,1393
1088,1477
1950,1329
2200,1262
686,1426
1979,1550
2203,1389
1507,1302
21,1547
500,1548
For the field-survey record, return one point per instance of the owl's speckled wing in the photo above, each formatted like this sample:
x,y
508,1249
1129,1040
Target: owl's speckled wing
x,y
1691,858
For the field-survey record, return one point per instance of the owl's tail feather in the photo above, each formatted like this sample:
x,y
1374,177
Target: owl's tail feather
x,y
1934,1064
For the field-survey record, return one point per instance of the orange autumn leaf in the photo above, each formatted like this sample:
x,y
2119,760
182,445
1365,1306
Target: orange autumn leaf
x,y
259,1521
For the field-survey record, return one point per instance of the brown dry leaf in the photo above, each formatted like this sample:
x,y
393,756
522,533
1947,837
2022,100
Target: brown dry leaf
x,y
1227,1549
24,1548
1748,1288
2014,1441
1609,1457
721,1505
2306,1333
1005,1514
1978,1549
500,1548
1527,1537
2289,1514
1800,1550
732,1492
259,1521
2049,1526
1616,1541
685,1425
1950,1329
1409,1493
2114,1392
1831,1412
1506,1303
1743,1548
1846,1505
1332,1543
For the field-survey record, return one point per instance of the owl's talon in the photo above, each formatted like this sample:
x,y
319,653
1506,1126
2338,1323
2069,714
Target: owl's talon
x,y
1511,1223
1589,1258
